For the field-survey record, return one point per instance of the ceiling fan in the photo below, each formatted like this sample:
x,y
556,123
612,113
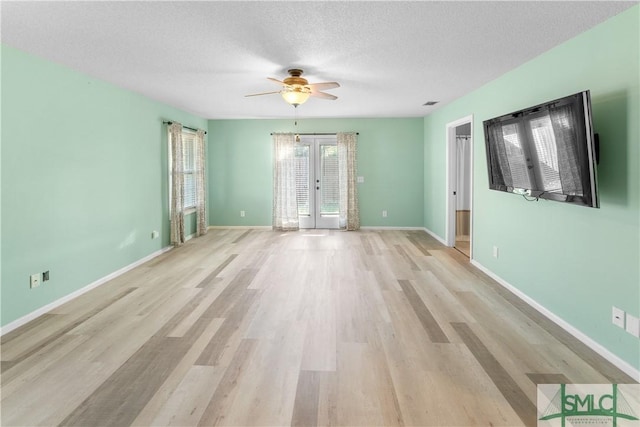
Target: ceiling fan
x,y
296,89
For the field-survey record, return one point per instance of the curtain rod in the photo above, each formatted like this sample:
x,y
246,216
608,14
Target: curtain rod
x,y
186,127
298,133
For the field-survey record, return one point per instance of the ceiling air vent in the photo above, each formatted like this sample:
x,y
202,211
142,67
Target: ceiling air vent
x,y
430,103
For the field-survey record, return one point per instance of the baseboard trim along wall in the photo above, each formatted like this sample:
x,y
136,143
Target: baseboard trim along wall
x,y
57,303
390,228
434,235
598,348
268,227
240,227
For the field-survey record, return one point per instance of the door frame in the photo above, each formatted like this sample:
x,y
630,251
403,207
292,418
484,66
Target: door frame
x,y
451,181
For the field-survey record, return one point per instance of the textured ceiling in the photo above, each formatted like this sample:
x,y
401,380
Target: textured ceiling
x,y
390,57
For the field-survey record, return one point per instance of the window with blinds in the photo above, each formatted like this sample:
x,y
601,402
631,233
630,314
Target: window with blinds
x,y
189,169
189,160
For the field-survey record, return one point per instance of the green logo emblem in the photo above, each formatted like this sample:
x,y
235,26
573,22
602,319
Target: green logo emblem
x,y
574,404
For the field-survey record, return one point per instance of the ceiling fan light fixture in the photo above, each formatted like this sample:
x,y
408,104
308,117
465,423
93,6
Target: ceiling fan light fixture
x,y
296,95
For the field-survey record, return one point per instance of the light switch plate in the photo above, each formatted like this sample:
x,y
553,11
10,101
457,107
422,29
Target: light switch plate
x,y
633,325
617,317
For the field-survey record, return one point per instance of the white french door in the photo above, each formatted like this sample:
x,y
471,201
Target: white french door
x,y
317,181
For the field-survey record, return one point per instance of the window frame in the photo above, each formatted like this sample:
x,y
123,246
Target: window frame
x,y
187,134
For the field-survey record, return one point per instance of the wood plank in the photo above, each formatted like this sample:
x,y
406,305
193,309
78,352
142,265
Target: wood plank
x,y
429,323
141,376
34,324
164,407
548,378
407,258
18,358
507,386
305,409
214,413
220,341
242,236
211,277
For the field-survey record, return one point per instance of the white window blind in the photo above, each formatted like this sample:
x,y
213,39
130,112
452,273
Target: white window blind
x,y
330,190
302,179
189,162
188,167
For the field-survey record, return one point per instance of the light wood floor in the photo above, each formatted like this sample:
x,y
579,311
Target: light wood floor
x,y
247,327
463,246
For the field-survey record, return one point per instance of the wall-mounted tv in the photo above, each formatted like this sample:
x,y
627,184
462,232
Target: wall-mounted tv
x,y
548,151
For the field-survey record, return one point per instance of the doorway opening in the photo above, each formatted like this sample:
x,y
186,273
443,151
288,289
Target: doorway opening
x,y
317,186
459,222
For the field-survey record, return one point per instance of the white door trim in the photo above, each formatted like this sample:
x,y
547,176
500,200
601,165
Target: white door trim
x,y
451,177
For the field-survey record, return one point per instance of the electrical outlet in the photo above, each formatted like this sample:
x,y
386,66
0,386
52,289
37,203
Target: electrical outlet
x,y
35,280
45,276
384,214
360,179
633,325
242,214
155,234
617,317
496,252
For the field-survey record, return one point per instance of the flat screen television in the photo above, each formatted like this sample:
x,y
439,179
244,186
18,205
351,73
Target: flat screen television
x,y
547,151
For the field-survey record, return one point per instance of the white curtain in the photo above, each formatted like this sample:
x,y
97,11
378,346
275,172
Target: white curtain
x,y
285,203
177,184
201,189
463,195
347,170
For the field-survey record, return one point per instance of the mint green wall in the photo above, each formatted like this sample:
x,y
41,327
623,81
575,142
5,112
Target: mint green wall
x,y
83,179
390,153
575,261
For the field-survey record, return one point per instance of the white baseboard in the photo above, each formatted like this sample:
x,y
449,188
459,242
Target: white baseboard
x,y
57,303
598,348
240,227
390,228
268,227
435,236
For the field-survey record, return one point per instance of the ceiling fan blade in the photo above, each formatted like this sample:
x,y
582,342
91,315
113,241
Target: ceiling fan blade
x,y
322,86
324,95
275,80
263,93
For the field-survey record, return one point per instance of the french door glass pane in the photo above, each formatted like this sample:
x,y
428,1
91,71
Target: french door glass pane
x,y
329,195
302,179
